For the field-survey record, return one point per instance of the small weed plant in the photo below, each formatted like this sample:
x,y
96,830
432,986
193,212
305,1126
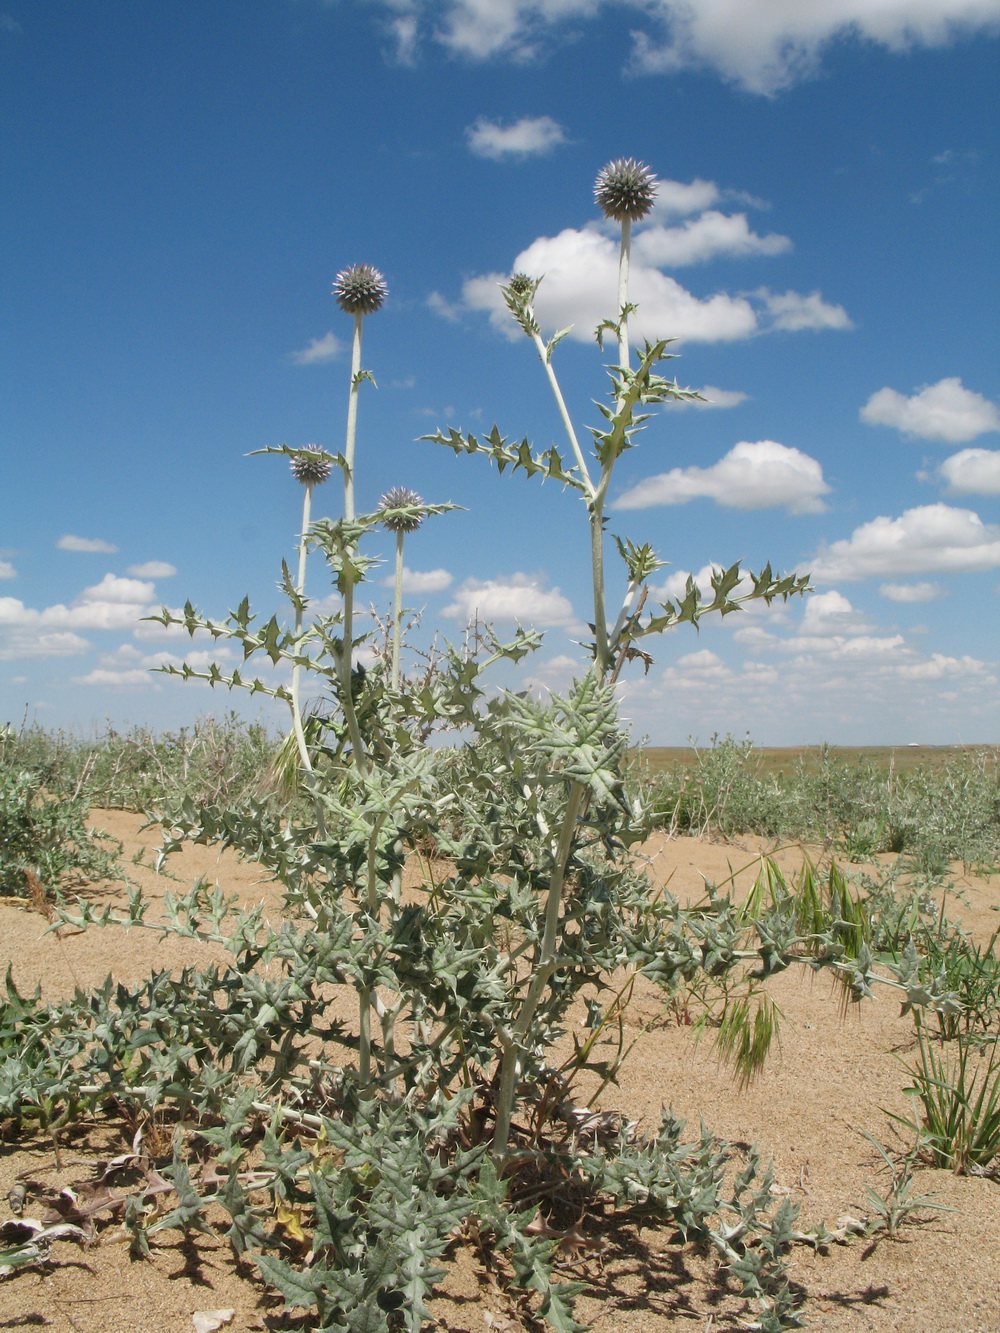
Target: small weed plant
x,y
350,1144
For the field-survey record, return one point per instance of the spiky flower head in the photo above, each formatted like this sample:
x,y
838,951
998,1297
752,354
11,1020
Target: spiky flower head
x,y
311,465
625,188
519,294
523,287
401,497
360,290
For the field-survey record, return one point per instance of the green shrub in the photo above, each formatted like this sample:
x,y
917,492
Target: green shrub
x,y
48,837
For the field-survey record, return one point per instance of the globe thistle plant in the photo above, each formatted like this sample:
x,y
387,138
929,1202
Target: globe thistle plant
x,y
311,466
624,190
401,515
360,290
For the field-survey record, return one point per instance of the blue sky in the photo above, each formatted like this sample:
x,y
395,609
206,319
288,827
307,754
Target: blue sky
x,y
182,182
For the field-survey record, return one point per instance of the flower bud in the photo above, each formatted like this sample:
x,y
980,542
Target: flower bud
x,y
624,189
360,290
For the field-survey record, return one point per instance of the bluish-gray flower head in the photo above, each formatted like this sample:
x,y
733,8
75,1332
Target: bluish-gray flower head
x,y
311,465
360,290
624,189
401,497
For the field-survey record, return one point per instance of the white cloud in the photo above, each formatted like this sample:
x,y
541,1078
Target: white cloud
x,y
973,471
762,45
32,642
521,598
677,199
450,310
714,397
793,312
708,236
421,580
941,667
530,136
91,544
115,589
945,411
827,613
553,676
114,603
930,539
318,350
7,570
127,666
911,592
153,569
580,269
759,475
768,45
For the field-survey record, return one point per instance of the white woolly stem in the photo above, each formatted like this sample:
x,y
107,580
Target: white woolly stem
x,y
397,611
623,265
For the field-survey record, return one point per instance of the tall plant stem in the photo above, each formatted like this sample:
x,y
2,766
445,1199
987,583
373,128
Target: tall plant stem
x,y
624,254
397,611
601,655
366,994
545,965
347,649
595,504
352,419
300,585
581,462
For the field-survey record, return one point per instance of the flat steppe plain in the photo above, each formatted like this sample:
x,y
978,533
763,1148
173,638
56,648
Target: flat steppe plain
x,y
833,1077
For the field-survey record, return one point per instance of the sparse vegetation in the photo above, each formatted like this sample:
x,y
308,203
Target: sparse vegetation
x,y
345,1149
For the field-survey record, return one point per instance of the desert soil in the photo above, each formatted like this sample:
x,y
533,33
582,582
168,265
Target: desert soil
x,y
833,1078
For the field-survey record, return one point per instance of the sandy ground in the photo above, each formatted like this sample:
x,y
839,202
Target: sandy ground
x,y
832,1078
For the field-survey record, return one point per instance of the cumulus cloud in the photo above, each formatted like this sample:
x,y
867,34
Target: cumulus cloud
x,y
930,539
7,570
153,569
421,580
90,544
114,603
126,666
679,198
23,642
769,45
580,271
911,592
521,598
973,471
318,350
531,136
708,236
793,312
945,411
761,475
762,45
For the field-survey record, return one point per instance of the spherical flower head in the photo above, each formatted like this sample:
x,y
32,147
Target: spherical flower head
x,y
401,497
311,465
624,189
360,290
